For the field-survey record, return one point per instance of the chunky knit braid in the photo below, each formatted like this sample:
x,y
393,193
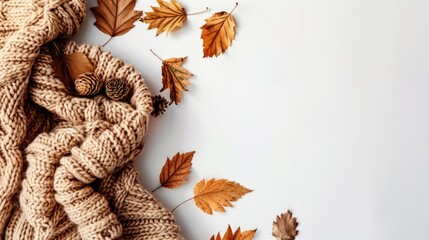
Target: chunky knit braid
x,y
79,181
26,25
93,139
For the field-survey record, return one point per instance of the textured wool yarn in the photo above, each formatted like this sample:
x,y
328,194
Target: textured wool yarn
x,y
66,162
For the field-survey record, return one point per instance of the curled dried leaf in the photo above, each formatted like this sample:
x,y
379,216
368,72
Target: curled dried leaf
x,y
69,67
174,77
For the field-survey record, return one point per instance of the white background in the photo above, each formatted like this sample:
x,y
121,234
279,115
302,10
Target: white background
x,y
320,107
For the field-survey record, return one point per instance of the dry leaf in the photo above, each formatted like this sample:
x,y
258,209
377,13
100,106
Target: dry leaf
x,y
115,17
284,228
214,195
238,235
69,67
78,63
218,33
175,171
167,17
175,78
247,235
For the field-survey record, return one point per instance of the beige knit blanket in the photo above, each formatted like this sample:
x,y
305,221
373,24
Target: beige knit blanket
x,y
65,161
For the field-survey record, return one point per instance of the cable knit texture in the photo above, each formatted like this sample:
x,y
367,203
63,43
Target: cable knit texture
x,y
65,161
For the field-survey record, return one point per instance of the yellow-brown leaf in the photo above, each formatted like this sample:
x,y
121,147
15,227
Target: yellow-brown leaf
x,y
248,235
175,77
238,235
284,228
78,63
175,171
69,67
214,195
218,33
167,17
115,17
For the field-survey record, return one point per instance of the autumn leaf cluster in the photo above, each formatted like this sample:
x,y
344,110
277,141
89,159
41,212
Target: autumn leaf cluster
x,y
209,195
115,18
214,195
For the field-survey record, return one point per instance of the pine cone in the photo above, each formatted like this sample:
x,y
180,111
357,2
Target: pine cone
x,y
117,89
160,104
88,84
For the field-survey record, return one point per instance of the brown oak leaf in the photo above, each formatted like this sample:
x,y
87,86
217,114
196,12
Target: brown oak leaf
x,y
284,228
237,235
218,33
214,195
69,67
175,171
115,17
167,17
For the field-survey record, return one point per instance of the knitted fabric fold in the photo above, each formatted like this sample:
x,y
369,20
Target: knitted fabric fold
x,y
24,27
65,161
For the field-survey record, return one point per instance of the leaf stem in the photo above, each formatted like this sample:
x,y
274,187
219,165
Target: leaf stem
x,y
187,200
156,188
107,42
236,5
156,55
195,13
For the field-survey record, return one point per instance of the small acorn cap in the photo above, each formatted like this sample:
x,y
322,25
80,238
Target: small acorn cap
x,y
88,84
116,89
